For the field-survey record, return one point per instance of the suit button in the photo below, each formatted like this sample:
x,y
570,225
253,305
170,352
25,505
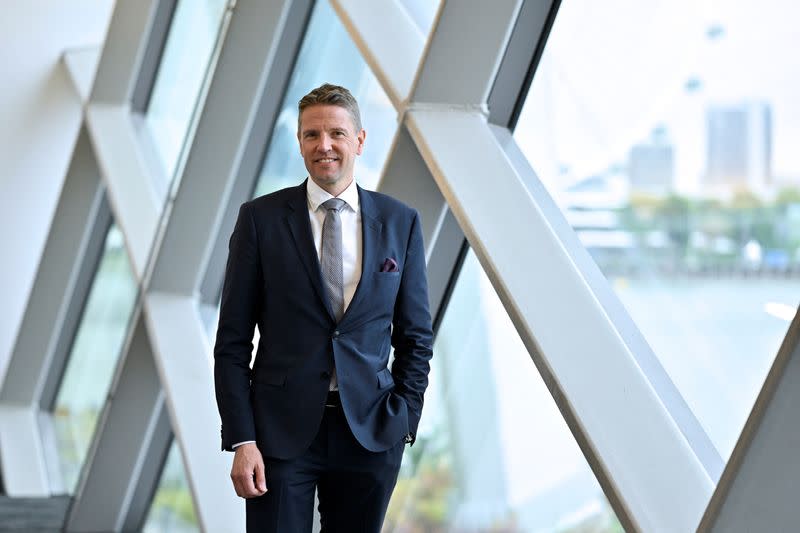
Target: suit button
x,y
336,333
326,376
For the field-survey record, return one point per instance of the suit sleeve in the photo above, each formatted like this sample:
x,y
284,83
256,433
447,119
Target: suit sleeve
x,y
412,334
239,310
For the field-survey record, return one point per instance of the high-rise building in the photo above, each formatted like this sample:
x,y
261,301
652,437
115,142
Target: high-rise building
x,y
740,145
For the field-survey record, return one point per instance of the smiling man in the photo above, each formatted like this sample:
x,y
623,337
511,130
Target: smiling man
x,y
333,275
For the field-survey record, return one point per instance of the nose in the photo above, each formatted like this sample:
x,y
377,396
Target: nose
x,y
324,143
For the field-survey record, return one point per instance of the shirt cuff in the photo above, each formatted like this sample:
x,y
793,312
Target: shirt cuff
x,y
240,443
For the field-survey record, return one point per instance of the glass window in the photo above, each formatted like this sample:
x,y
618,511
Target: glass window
x,y
93,357
669,140
329,55
493,452
172,509
421,12
181,74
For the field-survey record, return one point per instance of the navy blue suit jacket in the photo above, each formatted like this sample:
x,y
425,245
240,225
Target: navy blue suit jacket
x,y
273,279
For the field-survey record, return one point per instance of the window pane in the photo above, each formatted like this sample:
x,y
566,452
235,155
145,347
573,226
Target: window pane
x,y
493,452
172,509
329,55
421,12
186,56
670,143
93,357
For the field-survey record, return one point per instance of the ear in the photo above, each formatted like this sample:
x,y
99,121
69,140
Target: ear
x,y
360,138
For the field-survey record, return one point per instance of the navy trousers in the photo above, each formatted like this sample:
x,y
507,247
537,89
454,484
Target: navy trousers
x,y
353,484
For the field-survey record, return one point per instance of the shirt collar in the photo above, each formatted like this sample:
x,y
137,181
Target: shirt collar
x,y
317,195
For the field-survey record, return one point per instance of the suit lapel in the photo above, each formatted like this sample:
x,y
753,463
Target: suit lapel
x,y
371,227
300,228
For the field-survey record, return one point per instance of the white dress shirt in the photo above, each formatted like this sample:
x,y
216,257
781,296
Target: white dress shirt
x,y
350,216
352,250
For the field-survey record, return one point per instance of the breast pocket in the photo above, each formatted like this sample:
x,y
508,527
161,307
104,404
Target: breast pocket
x,y
386,279
385,286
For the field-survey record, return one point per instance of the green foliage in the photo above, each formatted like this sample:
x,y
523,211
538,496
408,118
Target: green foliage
x,y
174,499
705,233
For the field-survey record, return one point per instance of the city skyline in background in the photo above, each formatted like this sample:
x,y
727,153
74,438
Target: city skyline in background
x,y
596,100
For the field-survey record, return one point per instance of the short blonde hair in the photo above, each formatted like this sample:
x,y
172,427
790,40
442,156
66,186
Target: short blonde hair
x,y
328,94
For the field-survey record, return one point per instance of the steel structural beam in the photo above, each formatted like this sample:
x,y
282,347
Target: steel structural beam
x,y
183,359
63,271
251,153
129,436
62,283
125,160
610,407
464,52
260,35
388,39
122,163
520,59
123,51
254,55
758,489
450,103
406,177
160,356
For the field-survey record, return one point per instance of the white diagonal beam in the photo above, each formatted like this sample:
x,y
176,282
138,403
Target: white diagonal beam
x,y
123,51
465,52
617,418
388,39
260,32
182,357
127,177
406,177
62,282
21,454
123,445
758,489
172,352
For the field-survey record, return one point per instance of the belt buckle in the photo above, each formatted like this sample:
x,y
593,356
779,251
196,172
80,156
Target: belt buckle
x,y
333,402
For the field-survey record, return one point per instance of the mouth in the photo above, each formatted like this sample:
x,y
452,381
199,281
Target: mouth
x,y
326,160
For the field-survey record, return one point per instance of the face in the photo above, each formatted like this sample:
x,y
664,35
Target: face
x,y
329,144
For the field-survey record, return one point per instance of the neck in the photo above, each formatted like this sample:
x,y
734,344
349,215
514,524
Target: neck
x,y
335,189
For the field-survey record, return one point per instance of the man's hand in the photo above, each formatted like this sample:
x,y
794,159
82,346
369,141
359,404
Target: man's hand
x,y
247,472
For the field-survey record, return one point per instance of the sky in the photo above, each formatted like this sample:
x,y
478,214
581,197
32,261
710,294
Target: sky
x,y
613,71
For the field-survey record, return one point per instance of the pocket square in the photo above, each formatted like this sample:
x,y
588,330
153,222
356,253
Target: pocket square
x,y
389,265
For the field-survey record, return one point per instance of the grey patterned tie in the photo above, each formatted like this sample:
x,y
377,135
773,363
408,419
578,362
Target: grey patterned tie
x,y
331,260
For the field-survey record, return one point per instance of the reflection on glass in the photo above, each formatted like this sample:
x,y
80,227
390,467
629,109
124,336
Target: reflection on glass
x,y
329,55
187,52
93,357
493,453
670,144
172,509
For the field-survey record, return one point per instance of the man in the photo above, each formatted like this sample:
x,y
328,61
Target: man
x,y
332,275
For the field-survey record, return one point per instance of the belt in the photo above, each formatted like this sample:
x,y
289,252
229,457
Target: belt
x,y
333,399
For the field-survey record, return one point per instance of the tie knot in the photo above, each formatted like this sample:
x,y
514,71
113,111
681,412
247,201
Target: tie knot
x,y
334,204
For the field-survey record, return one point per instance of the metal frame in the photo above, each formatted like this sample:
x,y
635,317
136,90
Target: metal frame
x,y
525,49
449,107
59,293
128,436
154,51
254,151
758,489
169,331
